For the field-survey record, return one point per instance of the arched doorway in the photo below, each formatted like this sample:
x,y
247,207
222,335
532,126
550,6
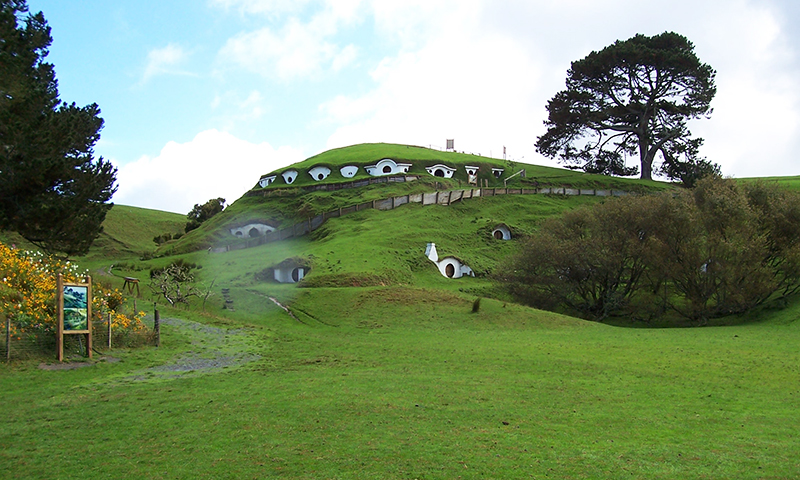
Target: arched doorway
x,y
450,270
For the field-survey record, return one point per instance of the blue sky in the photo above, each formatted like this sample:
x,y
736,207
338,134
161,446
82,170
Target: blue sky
x,y
202,97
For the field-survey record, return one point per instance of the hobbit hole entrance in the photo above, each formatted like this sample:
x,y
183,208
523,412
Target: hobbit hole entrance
x,y
387,169
498,234
254,233
450,270
438,173
296,275
320,176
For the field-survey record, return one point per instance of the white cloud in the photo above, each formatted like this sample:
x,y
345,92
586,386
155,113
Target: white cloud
x,y
464,83
297,49
755,127
261,6
213,164
482,72
164,60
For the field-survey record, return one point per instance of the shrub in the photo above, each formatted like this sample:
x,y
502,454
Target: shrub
x,y
719,249
28,291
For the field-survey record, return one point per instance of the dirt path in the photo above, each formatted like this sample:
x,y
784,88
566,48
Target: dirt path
x,y
212,349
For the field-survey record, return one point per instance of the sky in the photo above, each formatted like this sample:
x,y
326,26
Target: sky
x,y
202,97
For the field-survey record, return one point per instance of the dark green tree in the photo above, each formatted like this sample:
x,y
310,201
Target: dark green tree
x,y
632,98
53,191
201,213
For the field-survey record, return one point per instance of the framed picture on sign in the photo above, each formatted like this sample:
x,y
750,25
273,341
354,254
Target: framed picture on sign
x,y
74,302
76,312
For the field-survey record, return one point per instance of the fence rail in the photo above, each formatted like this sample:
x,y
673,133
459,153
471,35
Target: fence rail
x,y
444,198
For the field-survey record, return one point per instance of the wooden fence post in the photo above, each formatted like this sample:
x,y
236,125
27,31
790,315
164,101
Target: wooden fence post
x,y
157,325
109,324
8,339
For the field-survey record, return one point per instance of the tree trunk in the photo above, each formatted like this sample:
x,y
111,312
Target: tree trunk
x,y
645,159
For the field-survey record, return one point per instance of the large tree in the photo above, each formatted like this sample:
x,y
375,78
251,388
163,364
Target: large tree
x,y
632,98
53,191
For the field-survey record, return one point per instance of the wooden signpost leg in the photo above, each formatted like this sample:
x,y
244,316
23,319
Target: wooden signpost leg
x,y
60,319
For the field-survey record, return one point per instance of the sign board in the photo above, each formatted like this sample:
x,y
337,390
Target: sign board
x,y
74,312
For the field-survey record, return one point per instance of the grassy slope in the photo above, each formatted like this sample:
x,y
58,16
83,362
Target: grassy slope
x,y
280,206
792,183
130,230
127,234
402,381
406,383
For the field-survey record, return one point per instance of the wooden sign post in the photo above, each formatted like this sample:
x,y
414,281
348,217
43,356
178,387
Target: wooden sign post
x,y
74,302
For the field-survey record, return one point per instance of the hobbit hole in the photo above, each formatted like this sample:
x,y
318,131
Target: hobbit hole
x,y
501,232
290,271
450,267
289,176
440,170
348,171
266,181
387,166
319,172
252,230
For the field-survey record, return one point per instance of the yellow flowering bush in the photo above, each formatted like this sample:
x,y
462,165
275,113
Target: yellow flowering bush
x,y
28,292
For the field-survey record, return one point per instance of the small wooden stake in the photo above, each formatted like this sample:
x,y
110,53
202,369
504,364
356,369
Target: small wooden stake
x,y
8,339
157,326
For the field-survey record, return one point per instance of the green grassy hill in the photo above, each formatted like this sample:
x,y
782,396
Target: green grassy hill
x,y
382,370
420,157
129,231
282,205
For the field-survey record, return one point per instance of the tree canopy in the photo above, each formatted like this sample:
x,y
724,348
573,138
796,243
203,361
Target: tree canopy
x,y
633,98
201,213
53,191
720,248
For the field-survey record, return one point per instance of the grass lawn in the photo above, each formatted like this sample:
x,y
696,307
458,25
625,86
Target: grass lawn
x,y
402,382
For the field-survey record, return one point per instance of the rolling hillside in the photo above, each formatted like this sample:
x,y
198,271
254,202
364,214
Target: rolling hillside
x,y
375,365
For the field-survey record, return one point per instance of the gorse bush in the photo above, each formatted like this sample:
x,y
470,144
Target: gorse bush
x,y
718,249
28,294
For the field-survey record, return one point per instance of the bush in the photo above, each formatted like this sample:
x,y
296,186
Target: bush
x,y
28,290
719,249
